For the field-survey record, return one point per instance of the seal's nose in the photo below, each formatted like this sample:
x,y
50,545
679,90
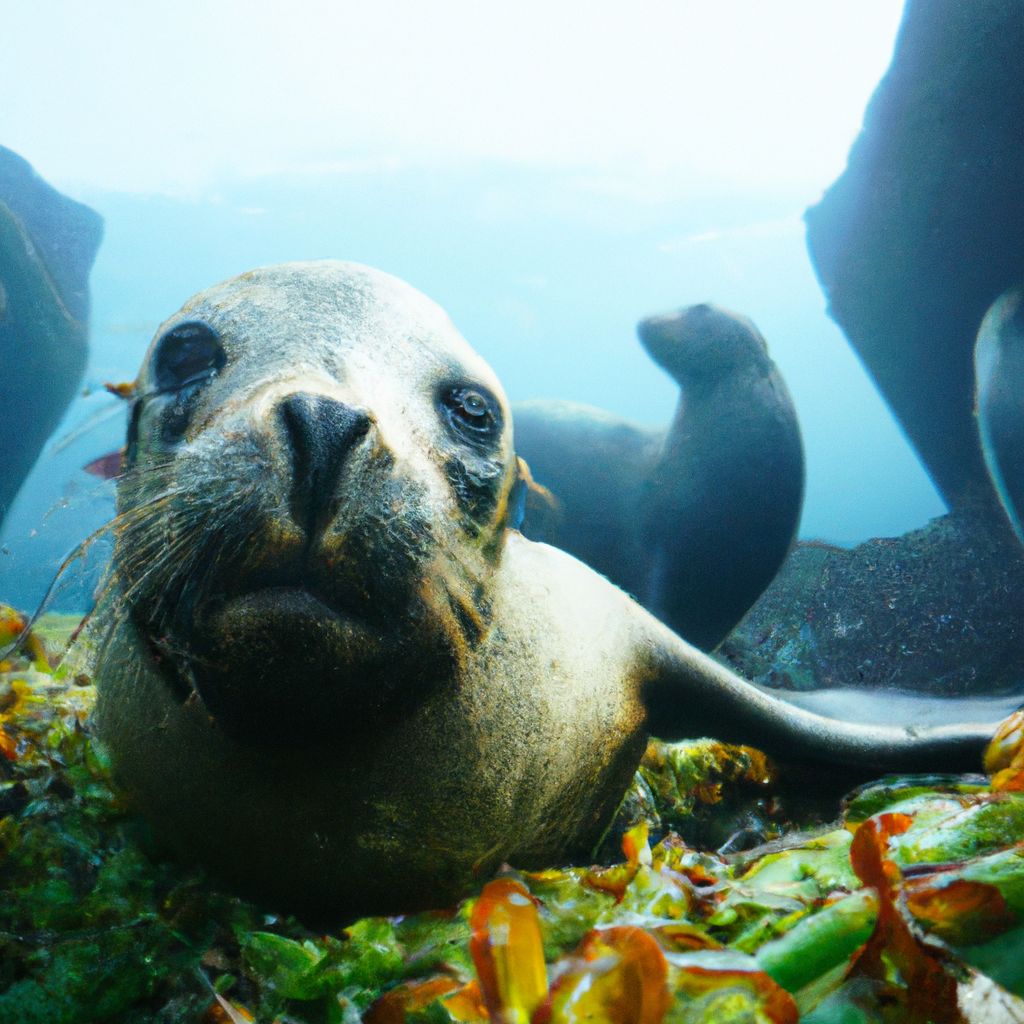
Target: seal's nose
x,y
320,433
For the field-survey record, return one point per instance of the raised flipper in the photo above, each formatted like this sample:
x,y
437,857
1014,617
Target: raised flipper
x,y
725,494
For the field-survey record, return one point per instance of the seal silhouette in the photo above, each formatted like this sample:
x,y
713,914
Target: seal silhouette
x,y
999,401
333,670
694,520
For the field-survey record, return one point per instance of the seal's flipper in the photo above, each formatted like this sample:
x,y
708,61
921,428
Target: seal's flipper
x,y
689,694
679,517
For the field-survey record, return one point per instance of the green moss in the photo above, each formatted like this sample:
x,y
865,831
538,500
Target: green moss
x,y
94,928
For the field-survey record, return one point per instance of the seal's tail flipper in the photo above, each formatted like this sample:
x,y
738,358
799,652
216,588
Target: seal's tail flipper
x,y
690,694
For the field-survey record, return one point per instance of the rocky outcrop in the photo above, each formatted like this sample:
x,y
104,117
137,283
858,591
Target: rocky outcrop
x,y
47,245
935,611
925,228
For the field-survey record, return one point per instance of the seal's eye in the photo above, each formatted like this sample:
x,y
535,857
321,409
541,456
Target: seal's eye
x,y
187,354
186,357
472,413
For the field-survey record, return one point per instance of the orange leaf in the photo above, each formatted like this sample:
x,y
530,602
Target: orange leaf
x,y
1007,743
634,845
702,869
869,847
467,1004
8,745
12,624
958,911
223,1011
1010,780
615,880
930,991
507,951
618,975
392,1007
124,390
773,1000
684,938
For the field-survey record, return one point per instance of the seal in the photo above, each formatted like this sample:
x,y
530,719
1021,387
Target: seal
x,y
330,667
695,520
47,246
999,401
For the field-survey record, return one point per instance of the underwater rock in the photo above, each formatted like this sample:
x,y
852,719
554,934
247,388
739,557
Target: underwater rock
x,y
925,228
695,520
937,610
47,246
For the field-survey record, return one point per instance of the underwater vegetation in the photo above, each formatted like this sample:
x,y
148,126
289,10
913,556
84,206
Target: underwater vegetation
x,y
887,915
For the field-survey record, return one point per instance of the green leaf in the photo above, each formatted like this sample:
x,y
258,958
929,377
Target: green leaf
x,y
820,942
286,966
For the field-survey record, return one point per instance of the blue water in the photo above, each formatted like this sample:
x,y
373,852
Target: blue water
x,y
546,276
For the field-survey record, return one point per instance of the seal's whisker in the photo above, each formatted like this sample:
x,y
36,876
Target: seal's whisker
x,y
168,557
79,551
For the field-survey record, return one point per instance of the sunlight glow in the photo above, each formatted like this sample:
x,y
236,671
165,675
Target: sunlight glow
x,y
663,94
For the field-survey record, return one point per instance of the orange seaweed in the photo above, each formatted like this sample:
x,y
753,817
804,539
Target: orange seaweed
x,y
467,1004
931,991
1004,756
392,1007
773,1000
957,910
615,880
618,975
507,951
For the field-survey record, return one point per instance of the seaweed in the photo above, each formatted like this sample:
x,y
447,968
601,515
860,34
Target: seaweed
x,y
883,916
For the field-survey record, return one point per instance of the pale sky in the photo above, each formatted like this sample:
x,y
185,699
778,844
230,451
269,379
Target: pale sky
x,y
173,97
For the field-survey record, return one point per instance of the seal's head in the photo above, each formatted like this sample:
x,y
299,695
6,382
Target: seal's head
x,y
317,482
705,345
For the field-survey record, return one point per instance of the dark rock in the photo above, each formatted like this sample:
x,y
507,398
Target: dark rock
x,y
925,228
937,610
47,246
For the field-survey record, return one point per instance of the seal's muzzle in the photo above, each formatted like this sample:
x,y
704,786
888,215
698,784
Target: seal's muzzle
x,y
320,433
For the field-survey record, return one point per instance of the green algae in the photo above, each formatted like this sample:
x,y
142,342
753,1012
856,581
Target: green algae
x,y
96,926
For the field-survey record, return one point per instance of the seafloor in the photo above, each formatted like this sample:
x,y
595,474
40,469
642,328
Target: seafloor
x,y
908,907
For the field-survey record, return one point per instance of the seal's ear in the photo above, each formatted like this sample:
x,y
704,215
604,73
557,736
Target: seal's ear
x,y
529,498
689,694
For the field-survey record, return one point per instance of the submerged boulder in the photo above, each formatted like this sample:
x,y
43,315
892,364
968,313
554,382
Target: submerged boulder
x,y
925,228
47,245
936,611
